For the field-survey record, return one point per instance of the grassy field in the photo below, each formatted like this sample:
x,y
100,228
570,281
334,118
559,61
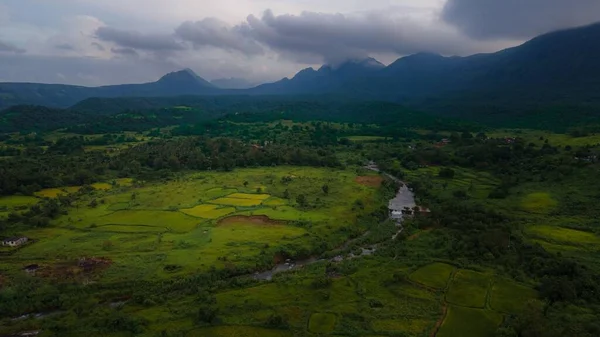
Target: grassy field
x,y
144,228
510,297
434,275
237,202
540,202
563,235
321,323
468,322
468,289
238,331
208,211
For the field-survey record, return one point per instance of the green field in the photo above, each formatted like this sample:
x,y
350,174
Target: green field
x,y
468,322
237,202
540,202
249,196
208,211
468,289
321,323
238,331
142,228
510,297
563,235
434,275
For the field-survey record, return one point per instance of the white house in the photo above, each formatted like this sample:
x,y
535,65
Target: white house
x,y
15,241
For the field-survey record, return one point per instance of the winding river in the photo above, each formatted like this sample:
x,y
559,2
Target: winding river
x,y
404,198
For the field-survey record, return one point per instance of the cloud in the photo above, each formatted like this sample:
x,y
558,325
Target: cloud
x,y
518,19
125,52
6,47
98,46
337,37
64,46
216,33
136,40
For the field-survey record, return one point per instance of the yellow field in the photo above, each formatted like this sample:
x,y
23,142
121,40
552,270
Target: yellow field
x,y
55,192
102,186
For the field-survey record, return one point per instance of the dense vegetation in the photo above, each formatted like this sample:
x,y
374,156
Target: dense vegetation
x,y
157,227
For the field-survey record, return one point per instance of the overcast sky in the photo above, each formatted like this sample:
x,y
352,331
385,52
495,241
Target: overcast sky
x,y
93,42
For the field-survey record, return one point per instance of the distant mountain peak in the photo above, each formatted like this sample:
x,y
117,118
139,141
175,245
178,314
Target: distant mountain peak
x,y
368,62
184,77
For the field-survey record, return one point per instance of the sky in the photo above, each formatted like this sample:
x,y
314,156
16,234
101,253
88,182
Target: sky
x,y
91,42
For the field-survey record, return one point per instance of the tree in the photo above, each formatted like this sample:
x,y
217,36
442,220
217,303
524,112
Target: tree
x,y
325,189
245,184
447,173
301,200
286,194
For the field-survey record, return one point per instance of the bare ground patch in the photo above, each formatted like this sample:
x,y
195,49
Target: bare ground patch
x,y
370,181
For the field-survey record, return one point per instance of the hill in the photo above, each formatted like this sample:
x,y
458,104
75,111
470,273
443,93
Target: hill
x,y
555,69
184,82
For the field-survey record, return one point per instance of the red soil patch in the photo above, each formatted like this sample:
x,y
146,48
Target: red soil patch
x,y
371,181
255,220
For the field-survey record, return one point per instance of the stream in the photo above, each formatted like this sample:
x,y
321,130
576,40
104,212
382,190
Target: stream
x,y
404,198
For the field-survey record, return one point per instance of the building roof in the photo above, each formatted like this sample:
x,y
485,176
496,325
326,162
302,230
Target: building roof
x,y
14,238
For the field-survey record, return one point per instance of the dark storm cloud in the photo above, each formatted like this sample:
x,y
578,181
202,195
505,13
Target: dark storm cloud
x,y
64,46
518,19
136,40
337,37
215,33
98,46
125,51
10,48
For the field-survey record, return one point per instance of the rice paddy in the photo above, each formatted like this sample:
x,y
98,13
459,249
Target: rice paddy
x,y
208,211
468,289
435,275
539,202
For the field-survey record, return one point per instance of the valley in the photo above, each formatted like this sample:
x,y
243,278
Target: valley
x,y
207,237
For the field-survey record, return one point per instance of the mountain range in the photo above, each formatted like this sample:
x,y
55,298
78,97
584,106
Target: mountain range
x,y
558,66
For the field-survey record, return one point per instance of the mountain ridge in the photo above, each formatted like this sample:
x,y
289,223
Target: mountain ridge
x,y
552,66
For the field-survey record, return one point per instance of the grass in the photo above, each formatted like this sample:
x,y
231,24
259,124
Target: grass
x,y
510,297
468,322
208,211
365,138
274,201
144,227
249,196
237,202
414,326
321,323
468,289
237,331
563,235
539,202
55,192
434,275
175,221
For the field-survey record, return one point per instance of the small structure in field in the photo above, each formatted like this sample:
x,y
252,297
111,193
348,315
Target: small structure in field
x,y
15,241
